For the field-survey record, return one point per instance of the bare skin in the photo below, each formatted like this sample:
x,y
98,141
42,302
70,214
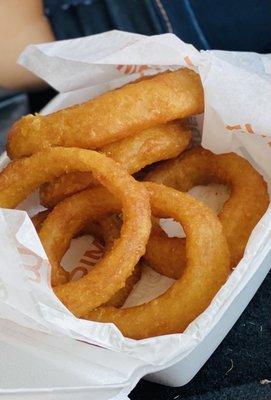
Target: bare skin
x,y
21,23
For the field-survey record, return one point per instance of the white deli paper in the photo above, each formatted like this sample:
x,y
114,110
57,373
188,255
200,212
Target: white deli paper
x,y
237,88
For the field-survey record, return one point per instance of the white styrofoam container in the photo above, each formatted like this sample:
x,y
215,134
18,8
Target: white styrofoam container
x,y
180,373
58,372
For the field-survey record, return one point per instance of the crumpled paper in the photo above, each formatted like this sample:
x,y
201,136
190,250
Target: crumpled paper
x,y
237,118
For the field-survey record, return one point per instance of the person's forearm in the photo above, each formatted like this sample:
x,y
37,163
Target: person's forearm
x,y
21,23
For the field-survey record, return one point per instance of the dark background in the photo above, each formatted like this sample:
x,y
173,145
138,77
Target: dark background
x,y
240,366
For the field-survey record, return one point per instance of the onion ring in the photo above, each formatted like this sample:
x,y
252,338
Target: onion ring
x,y
108,231
115,267
247,203
134,153
111,116
207,270
64,222
39,218
165,255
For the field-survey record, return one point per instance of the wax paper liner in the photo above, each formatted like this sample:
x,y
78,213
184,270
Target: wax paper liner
x,y
237,89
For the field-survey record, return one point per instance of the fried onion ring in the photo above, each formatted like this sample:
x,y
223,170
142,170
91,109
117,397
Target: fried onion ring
x,y
111,116
247,203
134,153
111,273
39,218
207,269
64,222
108,230
165,255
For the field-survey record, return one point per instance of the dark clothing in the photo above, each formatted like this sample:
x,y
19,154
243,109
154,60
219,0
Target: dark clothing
x,y
207,24
243,25
70,19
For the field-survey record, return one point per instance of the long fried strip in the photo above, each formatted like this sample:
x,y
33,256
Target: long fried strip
x,y
111,116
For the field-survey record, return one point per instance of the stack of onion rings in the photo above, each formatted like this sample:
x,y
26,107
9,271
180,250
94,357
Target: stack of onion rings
x,y
133,127
134,232
207,265
207,269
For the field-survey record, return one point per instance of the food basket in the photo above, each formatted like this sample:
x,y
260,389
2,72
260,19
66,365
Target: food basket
x,y
50,353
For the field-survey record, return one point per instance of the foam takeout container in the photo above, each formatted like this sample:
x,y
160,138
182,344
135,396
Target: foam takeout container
x,y
47,352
